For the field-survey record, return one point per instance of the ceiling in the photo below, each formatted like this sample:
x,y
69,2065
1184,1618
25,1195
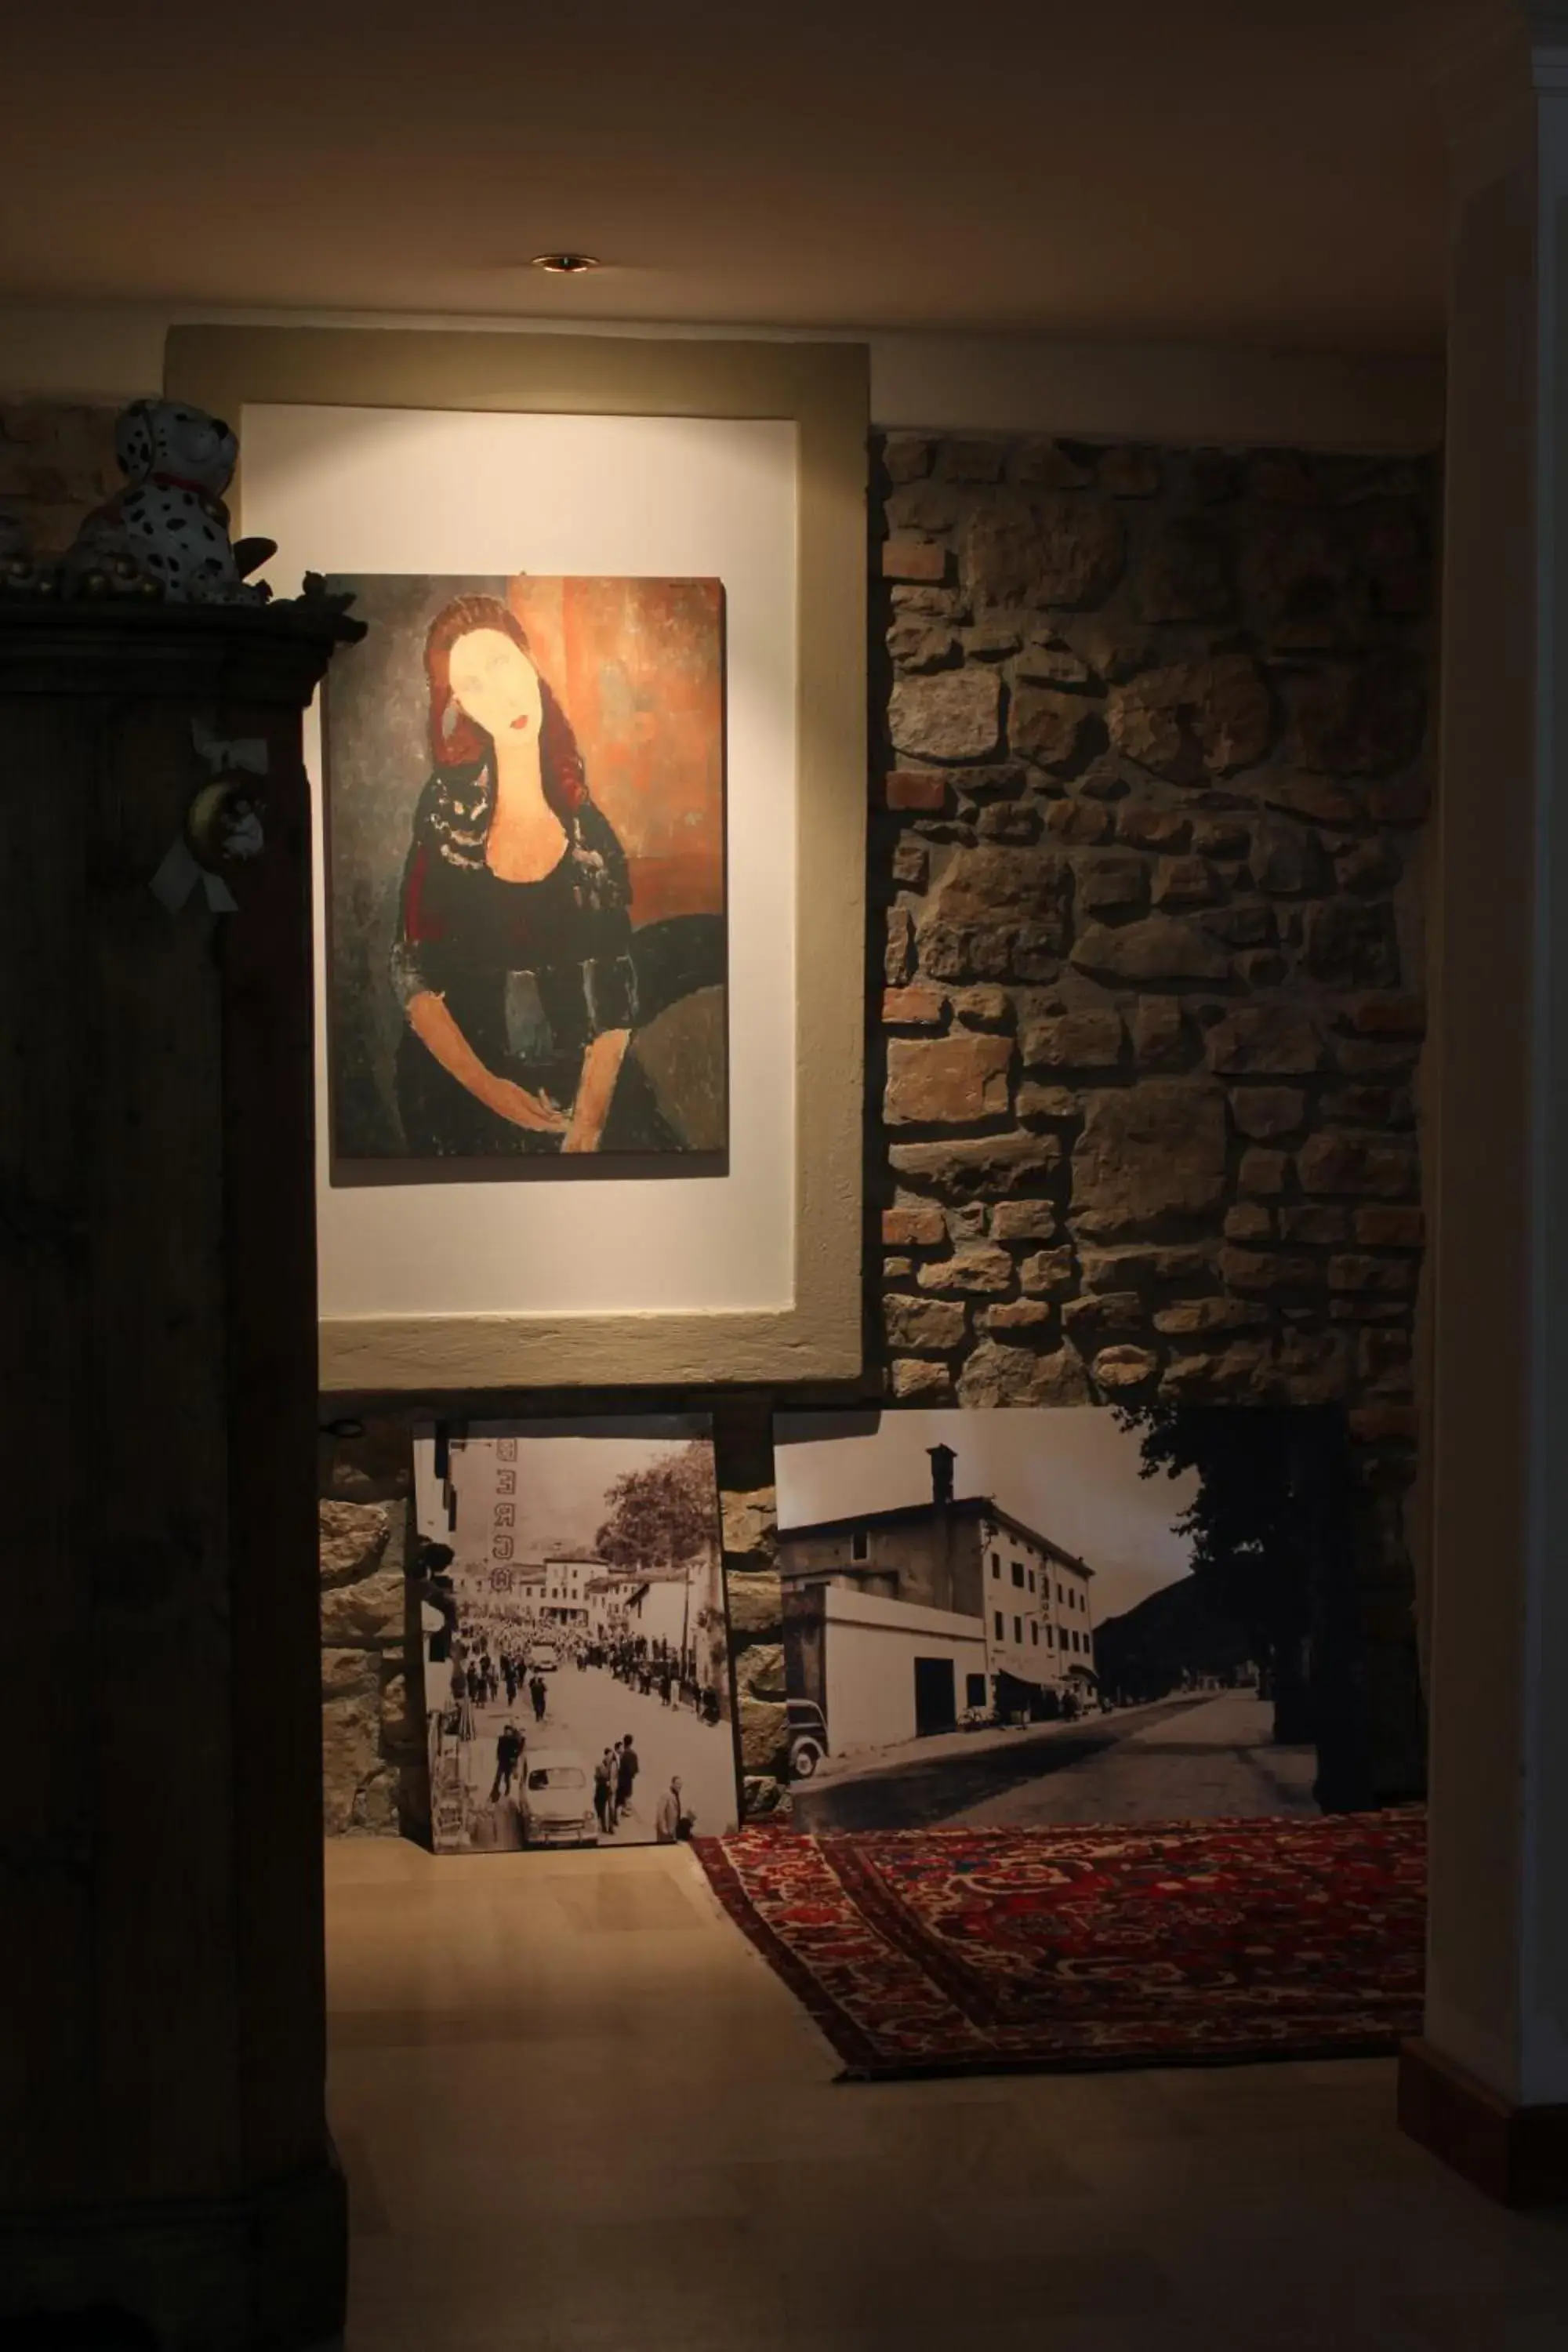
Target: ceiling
x,y
1267,172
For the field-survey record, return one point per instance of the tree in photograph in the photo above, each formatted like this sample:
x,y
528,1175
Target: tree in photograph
x,y
1272,1538
663,1516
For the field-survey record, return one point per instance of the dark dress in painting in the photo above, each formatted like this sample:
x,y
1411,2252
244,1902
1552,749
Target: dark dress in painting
x,y
531,971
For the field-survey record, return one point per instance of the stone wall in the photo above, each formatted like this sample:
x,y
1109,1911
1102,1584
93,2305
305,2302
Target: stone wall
x,y
1156,759
373,1744
57,463
1153,771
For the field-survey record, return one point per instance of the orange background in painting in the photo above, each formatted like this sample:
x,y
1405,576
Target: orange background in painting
x,y
638,667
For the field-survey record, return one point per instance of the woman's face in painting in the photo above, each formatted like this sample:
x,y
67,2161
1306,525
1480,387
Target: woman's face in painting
x,y
496,685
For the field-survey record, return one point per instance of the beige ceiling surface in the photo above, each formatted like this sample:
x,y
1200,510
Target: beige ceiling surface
x,y
1264,171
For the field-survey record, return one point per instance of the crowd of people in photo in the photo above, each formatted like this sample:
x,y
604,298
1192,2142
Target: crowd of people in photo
x,y
656,1669
487,1659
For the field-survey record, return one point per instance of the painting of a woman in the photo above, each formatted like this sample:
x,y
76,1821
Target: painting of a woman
x,y
521,977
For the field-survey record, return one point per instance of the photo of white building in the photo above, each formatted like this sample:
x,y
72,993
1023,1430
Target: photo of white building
x,y
985,1615
992,1618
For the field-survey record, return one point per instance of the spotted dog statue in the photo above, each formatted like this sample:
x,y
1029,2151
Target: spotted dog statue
x,y
170,521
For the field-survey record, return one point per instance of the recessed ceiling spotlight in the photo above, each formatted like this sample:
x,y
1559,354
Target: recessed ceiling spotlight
x,y
566,265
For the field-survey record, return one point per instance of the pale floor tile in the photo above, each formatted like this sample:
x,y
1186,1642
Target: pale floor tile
x,y
579,2114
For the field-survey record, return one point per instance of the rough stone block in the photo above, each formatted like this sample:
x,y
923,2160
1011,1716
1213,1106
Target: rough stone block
x,y
1051,662
1131,472
1263,1173
1268,1039
1116,882
352,1538
1145,828
1023,1221
1159,1038
921,790
760,1672
1124,1367
1351,1163
916,1006
999,1375
1066,551
1111,1269
1316,798
1048,726
1384,1360
906,456
1086,1040
1160,947
913,1228
1248,1221
987,1167
1397,1015
916,1380
350,1758
923,508
984,1007
749,1519
1185,574
1392,1277
764,1736
1264,1270
918,643
1194,1318
1147,1153
1317,1226
1181,882
1261,1112
350,1673
980,1265
1047,1270
369,1612
1046,1103
1192,721
1365,718
1104,1310
952,714
1081,822
935,1324
1018,1315
1348,943
996,912
1379,1226
946,1081
914,559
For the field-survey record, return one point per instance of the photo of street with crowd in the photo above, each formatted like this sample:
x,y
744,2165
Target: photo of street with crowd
x,y
575,1638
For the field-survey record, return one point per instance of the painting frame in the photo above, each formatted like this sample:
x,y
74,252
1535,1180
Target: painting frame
x,y
822,389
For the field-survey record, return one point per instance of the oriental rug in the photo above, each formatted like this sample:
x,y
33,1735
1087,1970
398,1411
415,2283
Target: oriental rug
x,y
975,1950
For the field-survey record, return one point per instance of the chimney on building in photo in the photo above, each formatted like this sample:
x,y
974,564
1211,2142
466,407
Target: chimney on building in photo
x,y
942,1459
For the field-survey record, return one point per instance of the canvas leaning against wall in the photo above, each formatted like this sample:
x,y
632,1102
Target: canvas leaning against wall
x,y
575,1643
1026,1618
526,936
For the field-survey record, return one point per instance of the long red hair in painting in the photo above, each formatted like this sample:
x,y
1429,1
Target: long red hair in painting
x,y
456,741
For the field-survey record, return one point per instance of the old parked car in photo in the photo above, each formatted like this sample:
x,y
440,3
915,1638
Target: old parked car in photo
x,y
556,1804
807,1738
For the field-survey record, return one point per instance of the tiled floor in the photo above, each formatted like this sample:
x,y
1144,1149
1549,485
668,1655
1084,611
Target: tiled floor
x,y
578,2114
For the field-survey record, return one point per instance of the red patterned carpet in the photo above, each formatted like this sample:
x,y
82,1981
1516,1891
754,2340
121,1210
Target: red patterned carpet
x,y
958,1951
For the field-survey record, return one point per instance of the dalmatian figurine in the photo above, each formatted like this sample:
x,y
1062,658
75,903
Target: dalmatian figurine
x,y
170,518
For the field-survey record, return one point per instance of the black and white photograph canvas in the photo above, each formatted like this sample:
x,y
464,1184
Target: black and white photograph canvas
x,y
1017,1618
574,1637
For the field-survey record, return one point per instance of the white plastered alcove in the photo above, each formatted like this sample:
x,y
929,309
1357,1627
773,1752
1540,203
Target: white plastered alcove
x,y
347,489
